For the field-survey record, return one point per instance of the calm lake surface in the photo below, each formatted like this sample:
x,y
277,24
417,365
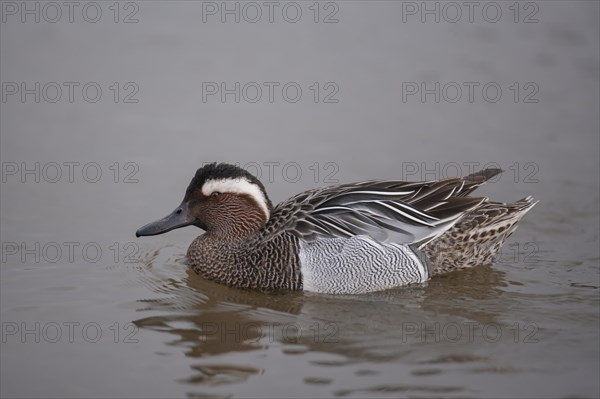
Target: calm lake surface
x,y
134,97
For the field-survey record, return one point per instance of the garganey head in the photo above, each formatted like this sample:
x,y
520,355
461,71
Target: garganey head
x,y
222,199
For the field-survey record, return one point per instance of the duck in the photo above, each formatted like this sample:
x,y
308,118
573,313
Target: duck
x,y
351,238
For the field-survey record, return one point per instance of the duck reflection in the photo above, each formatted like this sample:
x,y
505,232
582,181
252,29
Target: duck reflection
x,y
210,321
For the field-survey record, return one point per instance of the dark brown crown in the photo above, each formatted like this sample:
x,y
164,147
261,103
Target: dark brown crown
x,y
217,171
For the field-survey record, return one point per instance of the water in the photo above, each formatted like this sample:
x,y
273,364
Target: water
x,y
89,310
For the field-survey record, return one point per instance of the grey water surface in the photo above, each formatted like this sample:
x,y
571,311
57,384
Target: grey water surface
x,y
133,97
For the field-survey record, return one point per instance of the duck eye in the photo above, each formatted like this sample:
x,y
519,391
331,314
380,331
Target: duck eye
x,y
215,194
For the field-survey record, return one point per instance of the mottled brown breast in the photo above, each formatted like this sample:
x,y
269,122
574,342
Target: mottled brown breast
x,y
269,265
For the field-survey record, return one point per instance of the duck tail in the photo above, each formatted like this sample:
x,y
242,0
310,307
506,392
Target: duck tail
x,y
476,237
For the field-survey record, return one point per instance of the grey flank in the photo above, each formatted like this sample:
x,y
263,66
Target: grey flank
x,y
358,265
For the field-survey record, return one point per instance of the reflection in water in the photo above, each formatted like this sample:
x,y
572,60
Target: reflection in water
x,y
209,320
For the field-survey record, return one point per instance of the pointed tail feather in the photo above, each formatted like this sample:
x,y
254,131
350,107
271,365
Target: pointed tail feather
x,y
476,179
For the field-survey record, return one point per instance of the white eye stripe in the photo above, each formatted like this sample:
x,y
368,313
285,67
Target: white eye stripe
x,y
237,186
